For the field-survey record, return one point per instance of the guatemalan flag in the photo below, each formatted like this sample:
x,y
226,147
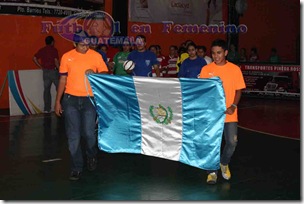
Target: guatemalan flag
x,y
176,119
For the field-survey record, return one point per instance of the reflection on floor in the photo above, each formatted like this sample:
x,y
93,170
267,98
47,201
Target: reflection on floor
x,y
36,166
278,117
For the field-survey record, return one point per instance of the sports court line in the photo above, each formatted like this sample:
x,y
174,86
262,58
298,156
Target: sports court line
x,y
51,160
266,133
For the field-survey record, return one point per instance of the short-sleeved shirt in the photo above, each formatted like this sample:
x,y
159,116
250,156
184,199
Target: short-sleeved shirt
x,y
232,78
47,55
104,56
191,68
162,63
74,64
119,59
143,62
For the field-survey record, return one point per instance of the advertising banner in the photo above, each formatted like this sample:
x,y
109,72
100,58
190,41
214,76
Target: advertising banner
x,y
26,92
280,81
178,11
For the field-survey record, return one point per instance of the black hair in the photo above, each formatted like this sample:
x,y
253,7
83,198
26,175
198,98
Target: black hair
x,y
181,50
173,46
49,40
254,49
142,37
199,47
81,36
151,46
191,44
220,43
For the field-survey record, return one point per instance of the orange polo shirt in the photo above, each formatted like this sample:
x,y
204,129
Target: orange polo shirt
x,y
75,64
232,78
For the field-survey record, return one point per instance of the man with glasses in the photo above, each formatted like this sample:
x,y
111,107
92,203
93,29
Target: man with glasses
x,y
74,100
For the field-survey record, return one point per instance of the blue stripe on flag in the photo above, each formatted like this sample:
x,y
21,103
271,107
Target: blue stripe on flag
x,y
119,121
203,106
203,122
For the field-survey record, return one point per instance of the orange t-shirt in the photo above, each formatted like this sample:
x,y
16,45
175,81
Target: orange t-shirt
x,y
75,64
232,78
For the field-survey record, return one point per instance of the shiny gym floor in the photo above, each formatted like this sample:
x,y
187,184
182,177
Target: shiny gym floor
x,y
266,165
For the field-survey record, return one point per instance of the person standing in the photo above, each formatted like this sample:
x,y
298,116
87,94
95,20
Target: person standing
x,y
120,58
243,55
233,55
74,100
170,60
191,67
274,57
254,57
144,59
202,52
47,59
233,83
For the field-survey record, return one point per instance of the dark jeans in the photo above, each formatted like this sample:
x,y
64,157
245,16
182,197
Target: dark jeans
x,y
230,136
80,121
49,77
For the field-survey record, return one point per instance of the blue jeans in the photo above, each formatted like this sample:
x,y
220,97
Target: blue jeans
x,y
49,77
80,121
230,136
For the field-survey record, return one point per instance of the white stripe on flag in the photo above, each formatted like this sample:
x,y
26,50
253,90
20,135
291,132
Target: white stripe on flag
x,y
160,100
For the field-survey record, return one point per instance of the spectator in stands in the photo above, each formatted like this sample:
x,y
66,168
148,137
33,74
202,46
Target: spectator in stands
x,y
274,57
253,57
233,55
243,55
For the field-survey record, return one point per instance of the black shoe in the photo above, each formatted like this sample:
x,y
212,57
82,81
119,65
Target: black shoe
x,y
92,163
75,175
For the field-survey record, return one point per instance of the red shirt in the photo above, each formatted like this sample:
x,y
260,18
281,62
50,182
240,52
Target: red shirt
x,y
171,66
161,59
47,56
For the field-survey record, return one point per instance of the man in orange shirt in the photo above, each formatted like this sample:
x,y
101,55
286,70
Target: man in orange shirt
x,y
77,96
233,83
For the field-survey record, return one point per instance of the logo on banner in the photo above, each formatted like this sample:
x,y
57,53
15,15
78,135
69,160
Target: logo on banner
x,y
161,115
99,25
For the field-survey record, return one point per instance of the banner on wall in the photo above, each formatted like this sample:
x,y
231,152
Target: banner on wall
x,y
36,9
179,11
26,92
280,81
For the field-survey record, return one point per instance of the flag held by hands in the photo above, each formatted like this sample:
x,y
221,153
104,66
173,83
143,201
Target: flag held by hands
x,y
176,119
